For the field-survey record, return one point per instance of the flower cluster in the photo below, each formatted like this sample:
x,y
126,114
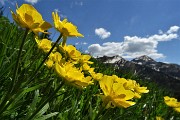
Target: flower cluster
x,y
73,66
119,91
172,102
68,65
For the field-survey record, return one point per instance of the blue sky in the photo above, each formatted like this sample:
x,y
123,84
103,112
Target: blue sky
x,y
129,28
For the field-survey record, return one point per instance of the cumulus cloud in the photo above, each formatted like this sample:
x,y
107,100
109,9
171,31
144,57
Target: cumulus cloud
x,y
160,32
32,1
108,49
135,46
102,33
173,29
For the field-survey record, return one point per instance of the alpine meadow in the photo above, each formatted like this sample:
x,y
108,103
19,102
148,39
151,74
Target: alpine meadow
x,y
43,79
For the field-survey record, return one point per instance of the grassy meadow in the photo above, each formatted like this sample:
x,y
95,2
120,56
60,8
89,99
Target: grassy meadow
x,y
32,90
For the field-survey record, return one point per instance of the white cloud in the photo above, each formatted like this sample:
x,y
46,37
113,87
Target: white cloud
x,y
32,1
135,46
60,14
102,33
76,3
79,3
81,43
162,37
173,29
160,32
108,49
56,10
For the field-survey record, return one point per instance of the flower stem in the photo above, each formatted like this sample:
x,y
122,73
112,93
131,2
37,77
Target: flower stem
x,y
13,83
18,59
36,71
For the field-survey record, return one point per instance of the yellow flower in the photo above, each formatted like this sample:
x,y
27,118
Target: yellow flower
x,y
44,44
49,63
172,102
159,118
84,82
97,76
119,80
65,27
177,109
85,59
54,58
72,75
71,52
135,87
85,66
114,93
91,71
28,17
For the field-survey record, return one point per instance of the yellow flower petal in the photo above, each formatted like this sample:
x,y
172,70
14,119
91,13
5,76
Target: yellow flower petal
x,y
123,103
44,44
177,109
172,102
65,27
72,75
28,17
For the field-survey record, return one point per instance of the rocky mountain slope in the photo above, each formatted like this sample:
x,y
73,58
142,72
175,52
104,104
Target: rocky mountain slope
x,y
164,74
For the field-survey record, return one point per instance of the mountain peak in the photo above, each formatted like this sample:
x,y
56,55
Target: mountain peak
x,y
113,59
143,59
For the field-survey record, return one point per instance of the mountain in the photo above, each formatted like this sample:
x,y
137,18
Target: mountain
x,y
143,60
164,74
169,69
113,59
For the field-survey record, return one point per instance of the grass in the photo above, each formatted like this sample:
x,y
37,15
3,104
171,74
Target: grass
x,y
40,98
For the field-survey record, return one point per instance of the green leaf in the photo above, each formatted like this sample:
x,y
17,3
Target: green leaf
x,y
19,96
32,106
44,117
43,110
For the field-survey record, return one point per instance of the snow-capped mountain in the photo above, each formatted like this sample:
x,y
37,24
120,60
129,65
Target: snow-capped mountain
x,y
165,74
143,60
113,59
170,69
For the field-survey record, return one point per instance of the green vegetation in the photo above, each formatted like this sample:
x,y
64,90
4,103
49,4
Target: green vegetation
x,y
40,98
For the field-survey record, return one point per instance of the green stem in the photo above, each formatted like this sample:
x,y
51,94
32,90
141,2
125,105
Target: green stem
x,y
64,41
36,71
18,59
44,102
11,89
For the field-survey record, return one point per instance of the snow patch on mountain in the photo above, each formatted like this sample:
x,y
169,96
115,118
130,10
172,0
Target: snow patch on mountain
x,y
114,59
